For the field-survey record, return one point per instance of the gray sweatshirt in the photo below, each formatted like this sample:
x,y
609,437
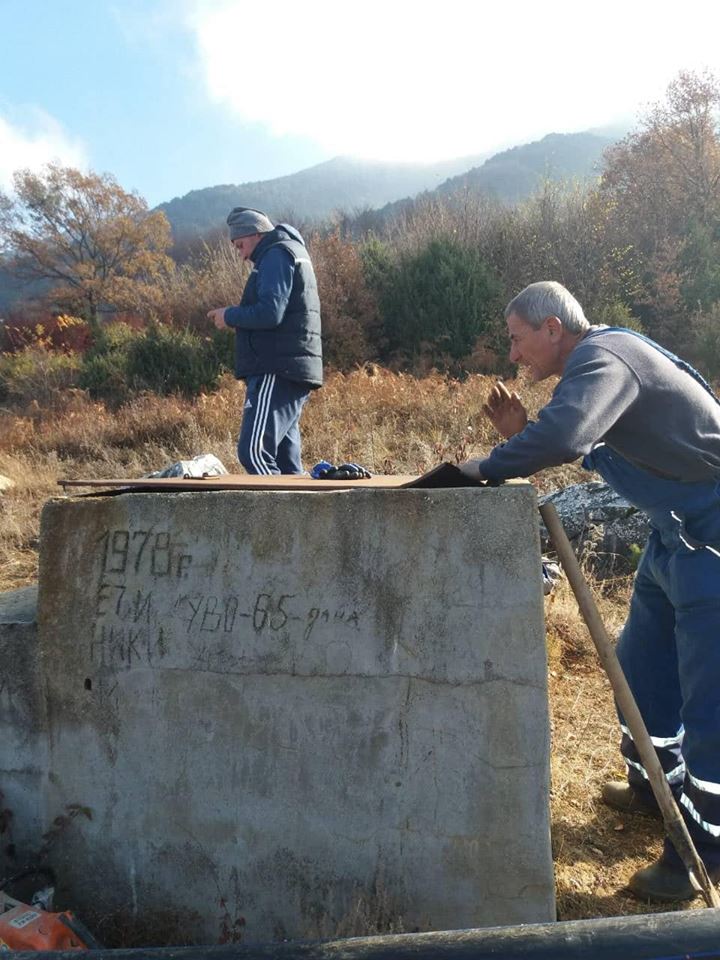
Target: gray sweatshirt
x,y
618,389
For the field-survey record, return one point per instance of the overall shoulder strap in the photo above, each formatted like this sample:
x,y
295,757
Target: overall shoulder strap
x,y
678,361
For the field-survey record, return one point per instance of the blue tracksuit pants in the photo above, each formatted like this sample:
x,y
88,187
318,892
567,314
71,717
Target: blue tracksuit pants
x,y
670,645
269,439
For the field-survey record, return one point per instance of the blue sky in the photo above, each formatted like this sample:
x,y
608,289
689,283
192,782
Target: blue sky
x,y
170,97
120,81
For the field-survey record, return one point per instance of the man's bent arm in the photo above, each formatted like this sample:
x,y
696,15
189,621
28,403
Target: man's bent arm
x,y
593,393
274,284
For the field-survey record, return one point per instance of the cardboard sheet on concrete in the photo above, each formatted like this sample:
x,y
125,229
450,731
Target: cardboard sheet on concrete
x,y
444,475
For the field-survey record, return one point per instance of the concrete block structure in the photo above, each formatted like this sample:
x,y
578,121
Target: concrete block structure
x,y
23,728
282,707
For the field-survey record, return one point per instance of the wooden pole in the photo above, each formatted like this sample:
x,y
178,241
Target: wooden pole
x,y
674,823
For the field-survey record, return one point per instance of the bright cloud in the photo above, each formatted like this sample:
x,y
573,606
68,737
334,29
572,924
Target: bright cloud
x,y
421,80
38,140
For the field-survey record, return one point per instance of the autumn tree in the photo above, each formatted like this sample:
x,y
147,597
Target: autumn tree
x,y
663,183
351,321
98,245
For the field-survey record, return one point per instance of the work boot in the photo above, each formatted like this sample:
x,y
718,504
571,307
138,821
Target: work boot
x,y
621,796
665,882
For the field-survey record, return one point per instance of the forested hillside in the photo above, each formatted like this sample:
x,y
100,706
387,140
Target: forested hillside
x,y
422,286
352,186
343,183
514,174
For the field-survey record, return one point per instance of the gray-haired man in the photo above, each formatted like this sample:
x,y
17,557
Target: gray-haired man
x,y
650,425
278,350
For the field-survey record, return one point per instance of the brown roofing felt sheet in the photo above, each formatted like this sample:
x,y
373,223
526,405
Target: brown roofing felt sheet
x,y
444,475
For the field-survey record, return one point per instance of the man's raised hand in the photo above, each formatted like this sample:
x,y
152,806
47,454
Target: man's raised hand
x,y
505,411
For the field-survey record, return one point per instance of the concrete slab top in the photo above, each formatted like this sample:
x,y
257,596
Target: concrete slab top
x,y
19,606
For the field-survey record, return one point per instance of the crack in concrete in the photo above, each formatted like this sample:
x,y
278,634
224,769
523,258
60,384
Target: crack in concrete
x,y
480,682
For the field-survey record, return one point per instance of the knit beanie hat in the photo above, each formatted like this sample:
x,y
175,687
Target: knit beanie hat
x,y
244,221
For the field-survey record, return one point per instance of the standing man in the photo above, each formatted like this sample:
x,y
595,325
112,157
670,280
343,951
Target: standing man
x,y
650,425
278,350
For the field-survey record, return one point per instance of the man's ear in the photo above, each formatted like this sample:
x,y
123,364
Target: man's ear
x,y
555,327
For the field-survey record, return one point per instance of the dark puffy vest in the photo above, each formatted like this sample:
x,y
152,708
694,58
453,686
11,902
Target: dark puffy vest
x,y
294,348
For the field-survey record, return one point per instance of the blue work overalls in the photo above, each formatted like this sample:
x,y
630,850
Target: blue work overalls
x,y
670,646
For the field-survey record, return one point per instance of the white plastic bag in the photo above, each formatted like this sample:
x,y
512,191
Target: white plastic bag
x,y
204,465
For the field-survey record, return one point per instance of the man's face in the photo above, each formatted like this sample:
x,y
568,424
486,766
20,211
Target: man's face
x,y
539,350
246,245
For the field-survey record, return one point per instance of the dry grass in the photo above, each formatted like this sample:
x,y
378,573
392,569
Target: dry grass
x,y
595,849
394,424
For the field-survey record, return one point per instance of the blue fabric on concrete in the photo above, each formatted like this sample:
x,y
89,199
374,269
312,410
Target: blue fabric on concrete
x,y
269,441
670,645
320,468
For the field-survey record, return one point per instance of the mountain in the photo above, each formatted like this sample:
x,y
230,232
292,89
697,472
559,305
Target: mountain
x,y
13,290
351,185
344,183
516,173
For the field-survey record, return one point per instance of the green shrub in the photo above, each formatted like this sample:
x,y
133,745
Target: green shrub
x,y
377,262
617,314
705,349
104,376
170,361
36,373
437,299
158,359
700,267
636,552
220,348
104,366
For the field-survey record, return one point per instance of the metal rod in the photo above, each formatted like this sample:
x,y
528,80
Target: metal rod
x,y
674,823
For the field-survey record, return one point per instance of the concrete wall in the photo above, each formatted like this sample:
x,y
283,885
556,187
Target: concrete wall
x,y
285,707
22,728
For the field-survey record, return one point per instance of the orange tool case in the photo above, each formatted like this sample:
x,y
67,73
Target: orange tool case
x,y
32,928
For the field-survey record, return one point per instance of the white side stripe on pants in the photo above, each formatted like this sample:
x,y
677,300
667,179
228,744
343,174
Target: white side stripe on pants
x,y
260,422
660,741
678,773
707,785
711,828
